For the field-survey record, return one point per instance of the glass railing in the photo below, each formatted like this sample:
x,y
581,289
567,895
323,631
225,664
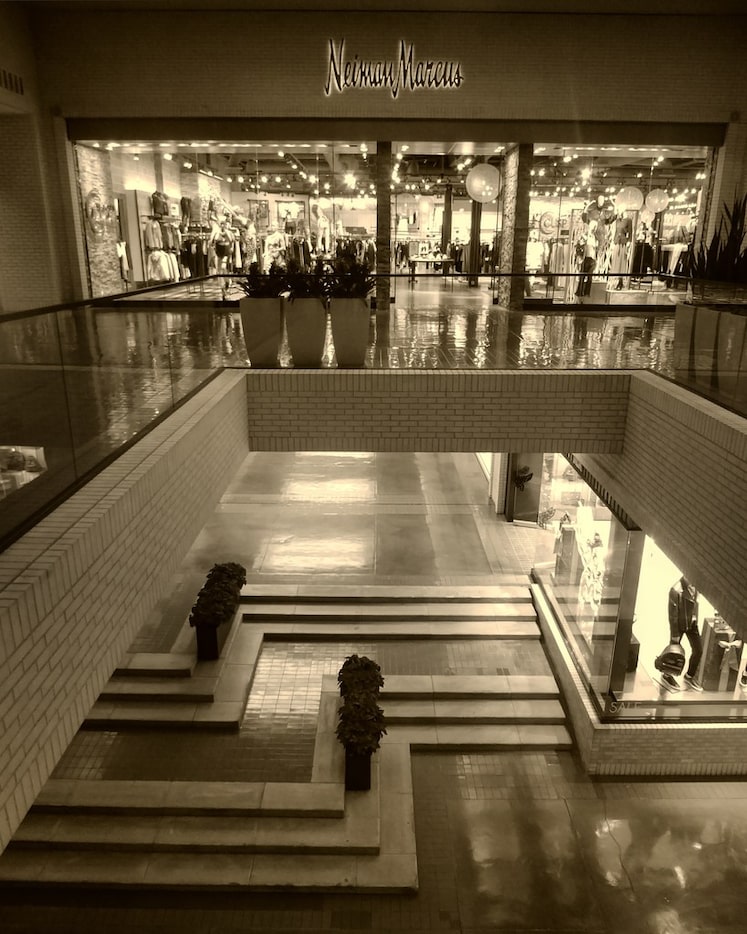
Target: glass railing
x,y
82,382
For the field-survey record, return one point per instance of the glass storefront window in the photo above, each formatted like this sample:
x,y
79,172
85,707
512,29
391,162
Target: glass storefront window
x,y
646,644
611,224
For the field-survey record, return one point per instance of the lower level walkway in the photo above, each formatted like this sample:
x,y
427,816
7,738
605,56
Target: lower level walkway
x,y
510,841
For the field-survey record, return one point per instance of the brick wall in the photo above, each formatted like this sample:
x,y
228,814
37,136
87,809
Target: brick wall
x,y
682,478
76,589
436,410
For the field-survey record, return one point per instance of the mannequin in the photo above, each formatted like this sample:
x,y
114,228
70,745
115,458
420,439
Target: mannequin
x,y
323,239
535,257
683,621
620,258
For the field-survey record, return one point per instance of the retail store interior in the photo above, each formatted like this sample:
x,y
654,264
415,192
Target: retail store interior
x,y
607,224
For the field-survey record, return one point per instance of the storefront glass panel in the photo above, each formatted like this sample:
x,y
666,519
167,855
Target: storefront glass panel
x,y
646,644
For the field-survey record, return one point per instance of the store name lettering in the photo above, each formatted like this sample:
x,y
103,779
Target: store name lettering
x,y
406,73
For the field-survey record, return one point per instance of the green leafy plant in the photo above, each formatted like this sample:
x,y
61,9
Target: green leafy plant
x,y
302,284
217,600
264,285
361,724
350,279
359,675
725,258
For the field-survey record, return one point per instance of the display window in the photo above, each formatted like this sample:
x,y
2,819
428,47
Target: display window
x,y
612,224
647,644
603,220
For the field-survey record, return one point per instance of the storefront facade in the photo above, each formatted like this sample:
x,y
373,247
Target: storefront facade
x,y
290,77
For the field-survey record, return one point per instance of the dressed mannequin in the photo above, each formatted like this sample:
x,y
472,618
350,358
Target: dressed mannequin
x,y
683,621
323,238
620,259
275,245
535,257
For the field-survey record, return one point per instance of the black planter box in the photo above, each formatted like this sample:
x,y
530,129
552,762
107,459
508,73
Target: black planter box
x,y
210,640
357,772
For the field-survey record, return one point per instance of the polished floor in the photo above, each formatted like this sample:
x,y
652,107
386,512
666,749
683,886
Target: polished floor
x,y
511,842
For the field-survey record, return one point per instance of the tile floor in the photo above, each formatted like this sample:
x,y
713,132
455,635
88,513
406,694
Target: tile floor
x,y
511,842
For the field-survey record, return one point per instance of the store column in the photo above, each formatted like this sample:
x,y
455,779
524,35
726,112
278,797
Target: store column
x,y
516,184
446,227
383,236
473,263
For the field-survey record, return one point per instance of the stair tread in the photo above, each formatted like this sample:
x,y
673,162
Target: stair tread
x,y
470,709
323,799
398,629
388,610
192,689
383,872
483,735
508,586
219,715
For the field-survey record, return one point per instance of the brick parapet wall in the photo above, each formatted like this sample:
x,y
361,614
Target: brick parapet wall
x,y
77,588
436,410
682,478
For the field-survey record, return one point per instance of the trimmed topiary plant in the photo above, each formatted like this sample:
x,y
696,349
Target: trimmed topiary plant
x,y
215,606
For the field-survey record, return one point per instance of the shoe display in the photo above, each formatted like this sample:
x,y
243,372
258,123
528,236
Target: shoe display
x,y
743,679
670,681
691,682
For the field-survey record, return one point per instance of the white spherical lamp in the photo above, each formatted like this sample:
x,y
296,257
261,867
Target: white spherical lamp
x,y
629,199
483,183
657,200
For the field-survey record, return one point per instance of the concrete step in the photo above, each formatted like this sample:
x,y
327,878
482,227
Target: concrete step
x,y
184,714
342,628
392,873
460,738
193,690
354,831
156,665
323,799
223,836
425,611
467,687
513,589
470,712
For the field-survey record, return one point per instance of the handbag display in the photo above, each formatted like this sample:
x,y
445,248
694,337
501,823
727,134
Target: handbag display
x,y
672,660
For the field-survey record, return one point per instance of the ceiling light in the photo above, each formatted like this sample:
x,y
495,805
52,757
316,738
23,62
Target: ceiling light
x,y
240,179
187,165
167,156
264,179
278,179
281,153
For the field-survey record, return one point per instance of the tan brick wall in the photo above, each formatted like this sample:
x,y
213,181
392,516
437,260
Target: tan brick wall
x,y
682,478
436,410
76,589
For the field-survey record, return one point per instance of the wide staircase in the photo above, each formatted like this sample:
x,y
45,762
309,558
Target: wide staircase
x,y
304,836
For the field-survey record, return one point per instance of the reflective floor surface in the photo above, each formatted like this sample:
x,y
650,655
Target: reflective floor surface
x,y
512,842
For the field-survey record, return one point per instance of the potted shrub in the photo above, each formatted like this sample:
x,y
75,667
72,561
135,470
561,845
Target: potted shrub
x,y
360,727
349,288
361,721
306,313
215,607
262,313
359,674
